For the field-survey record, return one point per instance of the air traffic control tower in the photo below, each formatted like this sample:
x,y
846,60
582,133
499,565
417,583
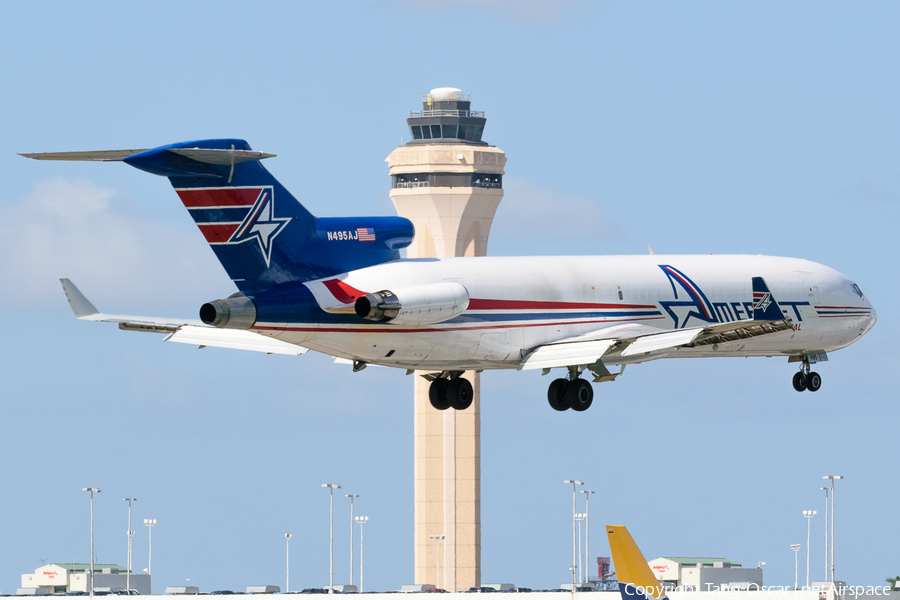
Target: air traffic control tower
x,y
448,182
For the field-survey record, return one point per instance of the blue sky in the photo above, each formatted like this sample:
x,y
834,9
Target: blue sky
x,y
704,127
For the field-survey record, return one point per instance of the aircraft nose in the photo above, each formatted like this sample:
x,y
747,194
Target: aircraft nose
x,y
873,316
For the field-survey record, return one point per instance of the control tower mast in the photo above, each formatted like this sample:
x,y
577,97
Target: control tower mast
x,y
448,182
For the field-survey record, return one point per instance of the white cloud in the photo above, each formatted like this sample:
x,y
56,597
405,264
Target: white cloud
x,y
121,259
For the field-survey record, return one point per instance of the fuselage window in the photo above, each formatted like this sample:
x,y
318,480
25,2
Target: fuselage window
x,y
621,297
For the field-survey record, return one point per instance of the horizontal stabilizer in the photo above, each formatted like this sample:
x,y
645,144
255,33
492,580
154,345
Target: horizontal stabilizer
x,y
90,155
217,156
210,156
233,338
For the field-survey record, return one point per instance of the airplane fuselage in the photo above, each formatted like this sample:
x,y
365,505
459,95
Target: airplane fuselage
x,y
519,303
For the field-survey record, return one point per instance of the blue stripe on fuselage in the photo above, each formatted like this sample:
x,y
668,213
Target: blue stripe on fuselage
x,y
476,318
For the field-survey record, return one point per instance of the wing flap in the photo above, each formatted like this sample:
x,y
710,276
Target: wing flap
x,y
236,339
659,341
566,354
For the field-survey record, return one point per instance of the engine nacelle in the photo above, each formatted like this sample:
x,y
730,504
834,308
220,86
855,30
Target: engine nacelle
x,y
235,312
416,305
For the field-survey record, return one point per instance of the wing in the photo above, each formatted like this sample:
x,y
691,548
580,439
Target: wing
x,y
184,331
588,351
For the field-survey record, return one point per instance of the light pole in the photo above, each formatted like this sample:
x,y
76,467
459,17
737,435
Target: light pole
x,y
587,532
579,518
92,490
826,530
809,514
574,483
130,535
351,496
795,548
287,562
150,523
437,562
362,521
331,487
832,478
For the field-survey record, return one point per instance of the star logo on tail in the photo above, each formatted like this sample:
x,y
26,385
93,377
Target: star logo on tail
x,y
761,300
260,224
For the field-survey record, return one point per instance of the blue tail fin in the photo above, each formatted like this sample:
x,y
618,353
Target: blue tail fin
x,y
259,232
764,306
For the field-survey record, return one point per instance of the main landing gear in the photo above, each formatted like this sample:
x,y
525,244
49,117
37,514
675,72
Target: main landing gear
x,y
806,379
451,392
574,393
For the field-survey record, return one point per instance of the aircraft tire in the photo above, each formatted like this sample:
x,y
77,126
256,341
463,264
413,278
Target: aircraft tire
x,y
813,381
799,381
579,394
437,394
556,395
460,393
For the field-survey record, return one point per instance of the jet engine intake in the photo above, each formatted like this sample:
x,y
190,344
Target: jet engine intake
x,y
416,305
235,312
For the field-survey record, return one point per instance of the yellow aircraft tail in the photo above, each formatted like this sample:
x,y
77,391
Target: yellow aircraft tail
x,y
636,579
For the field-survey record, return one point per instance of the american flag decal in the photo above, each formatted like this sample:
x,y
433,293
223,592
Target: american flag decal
x,y
365,234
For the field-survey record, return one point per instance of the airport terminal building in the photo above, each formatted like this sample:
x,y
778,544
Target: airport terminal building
x,y
59,578
704,574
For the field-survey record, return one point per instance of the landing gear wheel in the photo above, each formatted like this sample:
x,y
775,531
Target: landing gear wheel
x,y
437,394
813,381
800,381
556,395
579,394
460,393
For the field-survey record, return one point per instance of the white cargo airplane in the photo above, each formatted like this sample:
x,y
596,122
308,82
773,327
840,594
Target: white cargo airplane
x,y
339,286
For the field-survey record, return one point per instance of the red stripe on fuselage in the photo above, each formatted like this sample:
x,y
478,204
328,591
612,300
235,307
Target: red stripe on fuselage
x,y
846,307
219,197
217,233
479,304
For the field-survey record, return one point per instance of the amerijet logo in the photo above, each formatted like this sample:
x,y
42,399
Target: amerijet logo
x,y
695,305
761,300
260,224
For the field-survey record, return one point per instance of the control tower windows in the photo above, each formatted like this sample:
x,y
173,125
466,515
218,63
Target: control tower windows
x,y
478,180
463,131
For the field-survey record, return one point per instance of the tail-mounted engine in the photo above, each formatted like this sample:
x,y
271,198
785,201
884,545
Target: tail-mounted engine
x,y
235,312
416,305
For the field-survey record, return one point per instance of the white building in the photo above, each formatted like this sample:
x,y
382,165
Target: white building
x,y
704,574
59,578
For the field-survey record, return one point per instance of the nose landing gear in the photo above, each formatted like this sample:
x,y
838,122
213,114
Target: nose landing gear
x,y
806,379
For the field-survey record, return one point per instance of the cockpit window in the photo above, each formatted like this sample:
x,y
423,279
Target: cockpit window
x,y
856,290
